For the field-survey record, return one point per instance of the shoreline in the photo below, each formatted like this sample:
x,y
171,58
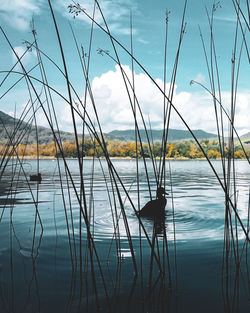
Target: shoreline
x,y
116,158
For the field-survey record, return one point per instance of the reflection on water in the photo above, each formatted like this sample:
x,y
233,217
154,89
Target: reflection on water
x,y
49,263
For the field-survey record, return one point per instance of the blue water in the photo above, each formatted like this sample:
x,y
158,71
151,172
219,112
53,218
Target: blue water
x,y
55,270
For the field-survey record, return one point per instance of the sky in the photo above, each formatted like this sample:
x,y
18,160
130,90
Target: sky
x,y
193,101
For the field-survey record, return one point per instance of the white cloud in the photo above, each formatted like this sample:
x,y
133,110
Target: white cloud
x,y
26,57
18,13
114,110
242,110
113,103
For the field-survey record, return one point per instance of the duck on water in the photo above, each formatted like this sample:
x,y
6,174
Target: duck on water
x,y
155,208
37,177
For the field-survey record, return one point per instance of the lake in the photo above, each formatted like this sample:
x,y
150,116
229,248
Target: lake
x,y
51,262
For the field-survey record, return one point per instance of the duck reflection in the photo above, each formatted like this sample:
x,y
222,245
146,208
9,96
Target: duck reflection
x,y
160,225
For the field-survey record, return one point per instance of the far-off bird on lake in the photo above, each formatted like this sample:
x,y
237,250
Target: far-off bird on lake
x,y
155,208
37,177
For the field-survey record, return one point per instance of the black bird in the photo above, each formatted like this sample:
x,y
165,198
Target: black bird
x,y
155,208
37,177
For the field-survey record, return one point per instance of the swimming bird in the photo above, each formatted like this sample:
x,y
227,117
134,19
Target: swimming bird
x,y
155,208
37,177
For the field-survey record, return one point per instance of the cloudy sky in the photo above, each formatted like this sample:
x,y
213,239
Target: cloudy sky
x,y
194,103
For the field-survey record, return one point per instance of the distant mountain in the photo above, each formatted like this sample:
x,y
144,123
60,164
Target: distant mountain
x,y
173,135
245,138
27,133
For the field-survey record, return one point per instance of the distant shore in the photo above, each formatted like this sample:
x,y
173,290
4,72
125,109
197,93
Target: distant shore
x,y
115,158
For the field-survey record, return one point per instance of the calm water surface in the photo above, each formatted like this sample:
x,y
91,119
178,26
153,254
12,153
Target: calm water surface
x,y
52,269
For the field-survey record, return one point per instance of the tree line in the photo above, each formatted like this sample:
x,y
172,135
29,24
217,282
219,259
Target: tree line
x,y
89,148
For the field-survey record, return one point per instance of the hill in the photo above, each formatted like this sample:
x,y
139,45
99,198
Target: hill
x,y
173,135
246,138
26,132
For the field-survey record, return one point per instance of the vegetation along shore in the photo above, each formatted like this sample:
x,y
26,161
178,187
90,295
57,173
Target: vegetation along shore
x,y
187,149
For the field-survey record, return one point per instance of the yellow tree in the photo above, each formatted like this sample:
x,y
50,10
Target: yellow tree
x,y
213,154
239,154
170,148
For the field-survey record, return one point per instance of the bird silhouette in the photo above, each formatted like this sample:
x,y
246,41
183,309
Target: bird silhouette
x,y
37,177
155,208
